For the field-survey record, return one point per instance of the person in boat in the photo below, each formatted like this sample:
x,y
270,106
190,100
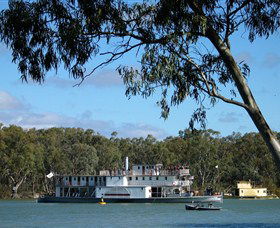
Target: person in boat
x,y
209,191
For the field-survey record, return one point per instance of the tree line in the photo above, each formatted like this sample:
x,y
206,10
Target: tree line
x,y
184,47
27,156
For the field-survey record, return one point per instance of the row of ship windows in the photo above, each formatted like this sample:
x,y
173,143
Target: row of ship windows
x,y
75,178
130,178
143,178
147,167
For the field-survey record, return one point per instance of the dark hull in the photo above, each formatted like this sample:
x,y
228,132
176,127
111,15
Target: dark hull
x,y
202,208
193,199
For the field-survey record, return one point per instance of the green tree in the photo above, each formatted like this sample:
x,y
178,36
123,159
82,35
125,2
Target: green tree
x,y
18,157
54,159
108,154
37,173
253,160
178,151
4,185
46,34
28,155
83,159
204,157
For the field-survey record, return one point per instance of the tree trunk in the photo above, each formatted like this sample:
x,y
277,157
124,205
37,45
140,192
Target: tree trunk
x,y
15,187
46,185
245,92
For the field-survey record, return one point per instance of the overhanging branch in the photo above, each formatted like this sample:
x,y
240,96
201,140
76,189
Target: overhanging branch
x,y
211,87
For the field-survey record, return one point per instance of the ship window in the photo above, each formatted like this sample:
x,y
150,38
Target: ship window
x,y
242,191
258,191
156,178
66,178
136,178
166,178
74,178
150,178
91,178
263,191
147,167
142,188
143,178
119,178
83,178
138,167
130,178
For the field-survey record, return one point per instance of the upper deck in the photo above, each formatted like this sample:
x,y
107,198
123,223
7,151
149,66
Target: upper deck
x,y
138,175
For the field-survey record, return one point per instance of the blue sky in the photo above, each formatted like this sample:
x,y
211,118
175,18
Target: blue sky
x,y
100,104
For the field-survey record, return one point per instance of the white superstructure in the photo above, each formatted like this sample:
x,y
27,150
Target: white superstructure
x,y
141,181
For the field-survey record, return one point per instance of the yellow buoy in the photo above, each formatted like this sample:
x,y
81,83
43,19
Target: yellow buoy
x,y
102,203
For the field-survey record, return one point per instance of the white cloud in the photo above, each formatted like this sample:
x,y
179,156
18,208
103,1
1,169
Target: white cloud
x,y
107,78
230,117
9,102
140,130
85,120
60,82
102,79
15,112
86,115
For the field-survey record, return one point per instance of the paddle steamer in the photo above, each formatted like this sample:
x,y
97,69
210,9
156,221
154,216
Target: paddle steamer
x,y
140,184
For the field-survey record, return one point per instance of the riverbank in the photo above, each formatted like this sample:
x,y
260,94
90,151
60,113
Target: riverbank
x,y
253,197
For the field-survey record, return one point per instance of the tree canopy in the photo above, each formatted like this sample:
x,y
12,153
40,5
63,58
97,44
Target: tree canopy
x,y
27,156
44,35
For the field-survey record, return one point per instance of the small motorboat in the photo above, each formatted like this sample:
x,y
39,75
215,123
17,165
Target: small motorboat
x,y
202,207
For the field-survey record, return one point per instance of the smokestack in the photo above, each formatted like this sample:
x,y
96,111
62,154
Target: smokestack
x,y
126,163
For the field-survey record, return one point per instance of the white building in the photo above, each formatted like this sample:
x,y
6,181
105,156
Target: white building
x,y
245,189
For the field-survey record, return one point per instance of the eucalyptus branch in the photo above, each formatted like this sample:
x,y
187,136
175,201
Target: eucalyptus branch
x,y
13,180
213,92
245,3
159,85
161,40
219,96
228,24
114,56
230,101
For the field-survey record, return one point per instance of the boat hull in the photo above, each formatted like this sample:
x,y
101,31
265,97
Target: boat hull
x,y
190,199
202,208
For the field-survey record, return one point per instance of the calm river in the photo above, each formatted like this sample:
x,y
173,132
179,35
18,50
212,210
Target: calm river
x,y
235,213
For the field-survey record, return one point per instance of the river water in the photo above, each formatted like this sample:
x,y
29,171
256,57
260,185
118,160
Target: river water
x,y
235,213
